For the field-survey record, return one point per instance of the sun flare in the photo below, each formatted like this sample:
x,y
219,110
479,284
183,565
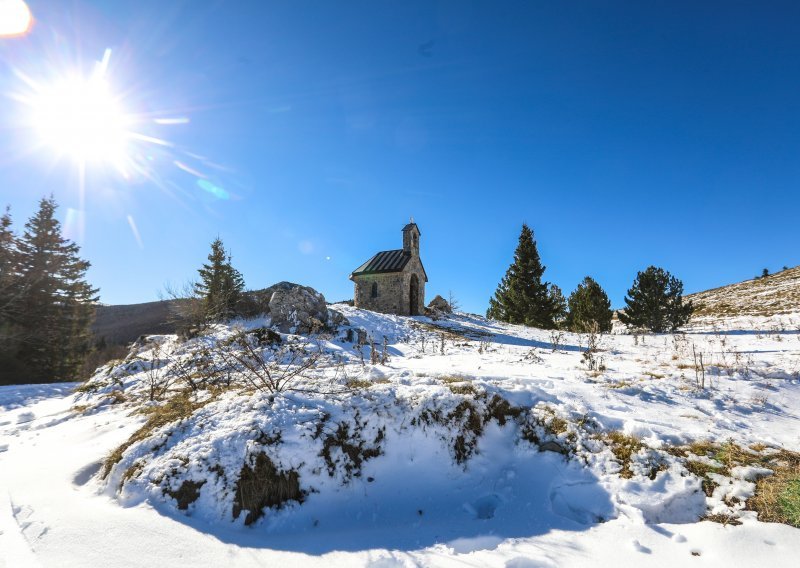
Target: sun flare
x,y
80,117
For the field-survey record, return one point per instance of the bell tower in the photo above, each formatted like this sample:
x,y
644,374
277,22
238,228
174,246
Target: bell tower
x,y
411,236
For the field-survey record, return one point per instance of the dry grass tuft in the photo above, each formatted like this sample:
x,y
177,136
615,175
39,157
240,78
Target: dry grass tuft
x,y
624,447
177,408
722,519
465,389
358,384
451,379
777,497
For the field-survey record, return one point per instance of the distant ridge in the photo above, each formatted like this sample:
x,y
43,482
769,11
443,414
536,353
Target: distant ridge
x,y
122,324
776,294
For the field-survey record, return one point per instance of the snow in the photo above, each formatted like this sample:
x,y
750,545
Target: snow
x,y
414,503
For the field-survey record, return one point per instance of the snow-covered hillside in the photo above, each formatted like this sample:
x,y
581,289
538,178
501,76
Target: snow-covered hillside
x,y
473,443
761,303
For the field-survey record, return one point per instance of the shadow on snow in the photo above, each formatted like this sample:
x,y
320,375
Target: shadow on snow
x,y
412,506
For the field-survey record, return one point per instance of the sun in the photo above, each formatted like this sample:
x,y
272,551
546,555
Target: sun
x,y
81,118
77,115
15,18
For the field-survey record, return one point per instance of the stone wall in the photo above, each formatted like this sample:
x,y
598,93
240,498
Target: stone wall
x,y
394,290
390,293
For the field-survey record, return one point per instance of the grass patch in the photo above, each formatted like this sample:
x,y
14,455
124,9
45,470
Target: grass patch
x,y
358,384
177,408
541,429
777,497
262,486
88,387
466,389
722,519
116,397
654,375
702,470
450,379
468,420
624,447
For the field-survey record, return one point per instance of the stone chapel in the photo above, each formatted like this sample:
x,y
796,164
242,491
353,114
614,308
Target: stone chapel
x,y
393,281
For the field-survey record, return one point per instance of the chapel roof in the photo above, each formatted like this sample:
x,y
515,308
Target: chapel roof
x,y
384,261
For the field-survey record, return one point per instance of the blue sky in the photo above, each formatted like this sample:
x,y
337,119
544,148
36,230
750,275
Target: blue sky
x,y
305,134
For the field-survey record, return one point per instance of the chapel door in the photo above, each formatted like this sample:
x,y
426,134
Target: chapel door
x,y
413,296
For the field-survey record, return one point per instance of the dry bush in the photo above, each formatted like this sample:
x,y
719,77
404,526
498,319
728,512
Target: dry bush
x,y
271,369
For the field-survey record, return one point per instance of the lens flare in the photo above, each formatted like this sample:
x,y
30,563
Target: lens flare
x,y
15,18
212,189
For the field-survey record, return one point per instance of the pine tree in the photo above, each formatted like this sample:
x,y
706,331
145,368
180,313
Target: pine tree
x,y
9,261
521,296
10,289
589,307
220,286
559,305
655,302
57,302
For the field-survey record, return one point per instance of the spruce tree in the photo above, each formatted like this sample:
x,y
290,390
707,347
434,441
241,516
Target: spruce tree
x,y
9,261
559,305
221,285
655,302
10,289
589,307
57,302
522,297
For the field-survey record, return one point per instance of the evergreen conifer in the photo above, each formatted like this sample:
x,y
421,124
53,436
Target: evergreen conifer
x,y
559,305
220,286
57,302
655,302
521,296
589,306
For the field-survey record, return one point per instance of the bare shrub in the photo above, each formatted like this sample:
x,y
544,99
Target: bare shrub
x,y
589,355
157,381
699,369
268,368
556,339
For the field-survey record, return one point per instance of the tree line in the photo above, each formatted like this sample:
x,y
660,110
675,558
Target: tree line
x,y
47,307
654,302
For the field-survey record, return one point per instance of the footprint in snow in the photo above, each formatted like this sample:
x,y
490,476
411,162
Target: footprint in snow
x,y
3,448
83,475
26,417
523,562
483,507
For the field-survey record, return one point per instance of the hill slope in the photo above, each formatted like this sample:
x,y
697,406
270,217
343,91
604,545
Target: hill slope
x,y
475,443
776,295
123,324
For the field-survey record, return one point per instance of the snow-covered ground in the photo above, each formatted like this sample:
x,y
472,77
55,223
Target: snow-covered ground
x,y
432,459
